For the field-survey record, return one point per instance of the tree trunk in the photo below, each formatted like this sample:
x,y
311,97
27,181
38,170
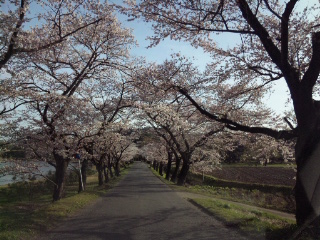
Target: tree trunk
x,y
168,170
307,153
60,175
307,189
84,168
110,169
183,173
161,168
117,169
106,175
154,164
81,185
175,173
99,168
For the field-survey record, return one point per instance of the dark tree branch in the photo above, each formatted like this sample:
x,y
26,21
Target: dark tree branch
x,y
232,125
312,74
205,137
289,123
12,51
261,32
271,10
14,36
285,31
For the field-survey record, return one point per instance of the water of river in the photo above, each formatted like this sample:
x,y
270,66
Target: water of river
x,y
43,167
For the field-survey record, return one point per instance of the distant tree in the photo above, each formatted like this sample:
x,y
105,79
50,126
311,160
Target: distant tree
x,y
234,155
12,151
183,132
169,107
261,149
110,99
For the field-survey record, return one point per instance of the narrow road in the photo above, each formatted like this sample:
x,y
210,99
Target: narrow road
x,y
142,207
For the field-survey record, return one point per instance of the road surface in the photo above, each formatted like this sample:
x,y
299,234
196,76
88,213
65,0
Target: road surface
x,y
142,207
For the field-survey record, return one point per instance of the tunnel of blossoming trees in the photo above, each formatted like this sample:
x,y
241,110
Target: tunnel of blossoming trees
x,y
70,86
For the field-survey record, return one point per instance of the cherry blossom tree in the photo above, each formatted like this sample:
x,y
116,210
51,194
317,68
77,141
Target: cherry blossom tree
x,y
29,26
183,132
155,152
162,81
108,150
10,99
120,150
55,79
110,99
256,149
275,40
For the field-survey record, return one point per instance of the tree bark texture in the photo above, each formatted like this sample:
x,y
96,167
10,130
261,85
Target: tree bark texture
x,y
161,168
117,169
84,167
183,173
105,172
168,170
110,169
175,172
307,152
60,176
307,189
99,168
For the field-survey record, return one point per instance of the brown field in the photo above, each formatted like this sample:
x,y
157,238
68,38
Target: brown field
x,y
259,175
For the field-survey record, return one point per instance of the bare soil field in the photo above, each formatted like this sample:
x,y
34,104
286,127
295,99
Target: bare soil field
x,y
260,175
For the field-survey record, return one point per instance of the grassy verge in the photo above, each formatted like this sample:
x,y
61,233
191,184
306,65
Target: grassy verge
x,y
275,197
250,194
256,224
26,209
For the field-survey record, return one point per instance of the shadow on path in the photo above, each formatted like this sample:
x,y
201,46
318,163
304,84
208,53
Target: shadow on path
x,y
142,207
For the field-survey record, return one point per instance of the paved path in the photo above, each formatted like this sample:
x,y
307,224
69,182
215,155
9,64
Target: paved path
x,y
142,207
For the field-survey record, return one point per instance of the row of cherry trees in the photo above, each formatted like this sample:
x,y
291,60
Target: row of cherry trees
x,y
65,89
189,137
69,84
275,40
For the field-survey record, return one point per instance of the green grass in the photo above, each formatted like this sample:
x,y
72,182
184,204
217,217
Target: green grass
x,y
268,196
26,209
257,224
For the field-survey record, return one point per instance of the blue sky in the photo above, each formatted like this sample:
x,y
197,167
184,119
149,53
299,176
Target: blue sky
x,y
166,47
